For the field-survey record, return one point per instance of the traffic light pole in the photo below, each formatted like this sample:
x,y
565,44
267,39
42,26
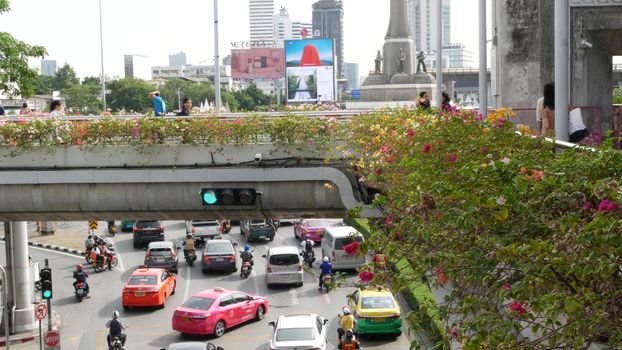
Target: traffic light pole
x,y
49,304
5,313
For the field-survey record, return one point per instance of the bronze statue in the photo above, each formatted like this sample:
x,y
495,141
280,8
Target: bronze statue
x,y
401,57
378,62
421,62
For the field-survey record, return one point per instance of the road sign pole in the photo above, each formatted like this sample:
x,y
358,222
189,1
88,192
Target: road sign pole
x,y
49,304
40,337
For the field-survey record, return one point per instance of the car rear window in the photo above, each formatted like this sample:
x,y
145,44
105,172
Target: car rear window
x,y
340,242
142,280
142,224
224,247
294,334
284,259
259,223
198,303
160,251
377,303
203,223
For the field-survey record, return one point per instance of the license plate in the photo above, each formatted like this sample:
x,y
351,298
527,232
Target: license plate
x,y
380,320
185,319
219,259
139,294
80,291
285,277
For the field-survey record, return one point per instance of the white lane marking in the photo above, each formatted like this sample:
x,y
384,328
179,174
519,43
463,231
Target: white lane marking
x,y
56,251
326,299
120,266
187,291
293,292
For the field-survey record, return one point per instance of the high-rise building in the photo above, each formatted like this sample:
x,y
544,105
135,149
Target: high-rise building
x,y
352,75
301,30
128,64
261,20
420,16
177,59
48,68
282,27
328,23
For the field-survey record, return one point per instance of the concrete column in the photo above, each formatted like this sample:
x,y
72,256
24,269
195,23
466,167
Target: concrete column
x,y
439,52
24,309
483,61
562,64
47,227
218,102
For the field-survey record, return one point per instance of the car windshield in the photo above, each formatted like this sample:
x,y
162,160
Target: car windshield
x,y
284,259
223,247
294,334
340,242
259,223
198,303
142,224
160,251
142,280
322,223
377,303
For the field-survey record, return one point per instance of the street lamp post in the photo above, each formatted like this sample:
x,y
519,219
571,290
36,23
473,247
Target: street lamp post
x,y
483,61
101,42
179,98
562,62
217,60
439,53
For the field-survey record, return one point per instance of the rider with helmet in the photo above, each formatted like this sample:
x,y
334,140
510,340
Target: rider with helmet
x,y
246,255
349,343
346,322
189,244
116,329
326,268
81,276
307,249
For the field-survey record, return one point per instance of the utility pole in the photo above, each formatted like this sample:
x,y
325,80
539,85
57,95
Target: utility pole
x,y
483,61
179,98
217,60
562,64
101,43
439,53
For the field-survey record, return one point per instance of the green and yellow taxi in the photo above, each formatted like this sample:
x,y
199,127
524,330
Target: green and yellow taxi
x,y
376,311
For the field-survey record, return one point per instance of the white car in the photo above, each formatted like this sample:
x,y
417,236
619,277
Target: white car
x,y
283,266
300,331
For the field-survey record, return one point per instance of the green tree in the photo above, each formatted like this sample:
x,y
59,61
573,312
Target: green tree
x,y
91,81
251,97
228,99
83,98
130,94
43,85
617,96
16,77
65,77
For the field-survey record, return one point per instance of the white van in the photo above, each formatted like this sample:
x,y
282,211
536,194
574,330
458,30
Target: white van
x,y
283,266
335,238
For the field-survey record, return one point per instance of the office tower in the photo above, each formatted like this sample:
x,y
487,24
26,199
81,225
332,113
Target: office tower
x,y
48,68
282,27
301,30
177,60
420,16
352,75
261,20
328,22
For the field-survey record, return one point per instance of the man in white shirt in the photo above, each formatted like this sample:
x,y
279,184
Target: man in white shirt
x,y
576,127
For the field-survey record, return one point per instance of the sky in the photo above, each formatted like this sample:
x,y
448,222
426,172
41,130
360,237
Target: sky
x,y
69,30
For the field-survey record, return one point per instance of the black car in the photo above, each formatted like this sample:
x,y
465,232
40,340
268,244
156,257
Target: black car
x,y
193,345
147,231
219,254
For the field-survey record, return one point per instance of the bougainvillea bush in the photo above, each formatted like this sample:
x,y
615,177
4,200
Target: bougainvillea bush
x,y
528,240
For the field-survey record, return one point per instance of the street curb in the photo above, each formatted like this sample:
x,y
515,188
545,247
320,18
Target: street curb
x,y
21,340
33,335
53,247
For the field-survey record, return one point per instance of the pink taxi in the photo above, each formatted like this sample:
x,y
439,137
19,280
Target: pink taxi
x,y
213,311
314,228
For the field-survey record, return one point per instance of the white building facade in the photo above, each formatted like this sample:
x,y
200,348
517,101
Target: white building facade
x,y
420,16
261,13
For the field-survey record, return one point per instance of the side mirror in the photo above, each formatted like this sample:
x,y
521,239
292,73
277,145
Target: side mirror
x,y
178,247
272,323
220,348
349,296
264,256
326,321
235,243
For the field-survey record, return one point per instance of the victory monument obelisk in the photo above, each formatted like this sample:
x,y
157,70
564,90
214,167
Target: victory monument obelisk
x,y
397,81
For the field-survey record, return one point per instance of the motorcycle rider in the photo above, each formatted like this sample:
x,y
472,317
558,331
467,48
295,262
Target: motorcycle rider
x,y
326,268
346,322
96,255
81,276
89,243
107,254
188,244
110,224
246,255
349,343
116,329
307,247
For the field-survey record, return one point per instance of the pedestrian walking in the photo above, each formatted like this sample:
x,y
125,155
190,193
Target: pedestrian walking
x,y
445,102
159,106
25,109
547,112
186,108
56,108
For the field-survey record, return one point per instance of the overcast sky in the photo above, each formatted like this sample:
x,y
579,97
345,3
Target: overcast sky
x,y
69,29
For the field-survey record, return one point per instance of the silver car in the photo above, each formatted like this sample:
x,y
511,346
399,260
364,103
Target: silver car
x,y
203,229
301,331
162,255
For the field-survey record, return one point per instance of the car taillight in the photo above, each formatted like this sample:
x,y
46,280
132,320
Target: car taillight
x,y
231,257
393,317
194,230
161,227
333,255
205,258
269,269
173,255
135,229
148,256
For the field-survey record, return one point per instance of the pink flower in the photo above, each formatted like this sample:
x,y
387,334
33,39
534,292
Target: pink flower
x,y
378,172
366,276
391,159
427,148
389,221
479,117
588,206
500,123
501,200
352,248
505,160
507,286
483,149
538,175
384,149
411,133
517,307
452,158
607,206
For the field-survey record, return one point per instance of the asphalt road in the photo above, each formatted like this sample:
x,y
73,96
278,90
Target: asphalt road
x,y
84,323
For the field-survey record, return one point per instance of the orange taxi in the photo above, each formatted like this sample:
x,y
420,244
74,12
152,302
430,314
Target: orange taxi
x,y
148,287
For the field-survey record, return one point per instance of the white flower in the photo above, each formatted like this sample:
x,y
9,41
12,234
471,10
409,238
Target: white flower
x,y
501,200
505,160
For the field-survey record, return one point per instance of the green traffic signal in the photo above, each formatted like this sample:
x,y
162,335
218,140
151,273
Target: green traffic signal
x,y
209,197
47,294
228,196
45,275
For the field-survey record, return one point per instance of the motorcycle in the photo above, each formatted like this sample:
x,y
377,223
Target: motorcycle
x,y
190,256
112,229
327,280
225,226
100,266
308,258
246,269
80,292
87,256
116,343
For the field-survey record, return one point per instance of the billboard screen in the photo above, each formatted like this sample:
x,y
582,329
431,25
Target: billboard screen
x,y
310,70
268,63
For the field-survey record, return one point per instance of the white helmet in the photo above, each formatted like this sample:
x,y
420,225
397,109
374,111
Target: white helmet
x,y
115,314
346,310
326,259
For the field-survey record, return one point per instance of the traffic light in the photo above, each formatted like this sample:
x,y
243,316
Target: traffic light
x,y
45,275
228,196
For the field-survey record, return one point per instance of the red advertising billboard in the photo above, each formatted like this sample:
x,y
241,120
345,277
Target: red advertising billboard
x,y
267,63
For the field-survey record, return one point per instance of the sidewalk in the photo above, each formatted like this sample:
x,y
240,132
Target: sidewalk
x,y
66,234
